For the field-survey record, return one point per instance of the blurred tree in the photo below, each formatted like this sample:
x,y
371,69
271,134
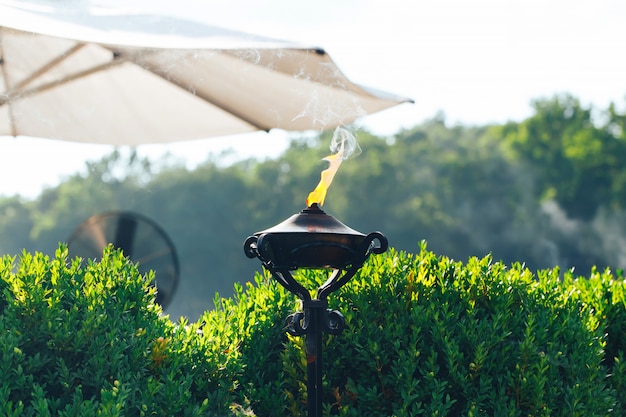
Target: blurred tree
x,y
16,222
451,186
575,161
113,183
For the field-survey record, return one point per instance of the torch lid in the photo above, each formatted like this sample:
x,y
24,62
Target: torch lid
x,y
311,220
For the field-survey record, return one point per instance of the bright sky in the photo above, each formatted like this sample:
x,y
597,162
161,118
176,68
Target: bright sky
x,y
478,62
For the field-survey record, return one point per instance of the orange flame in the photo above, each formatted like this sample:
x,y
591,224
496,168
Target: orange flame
x,y
319,194
344,145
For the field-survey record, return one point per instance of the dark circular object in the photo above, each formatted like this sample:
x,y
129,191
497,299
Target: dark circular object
x,y
141,240
312,239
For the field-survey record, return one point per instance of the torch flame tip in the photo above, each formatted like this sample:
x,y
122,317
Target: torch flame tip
x,y
338,145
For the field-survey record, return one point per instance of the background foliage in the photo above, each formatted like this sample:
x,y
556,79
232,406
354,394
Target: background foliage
x,y
545,191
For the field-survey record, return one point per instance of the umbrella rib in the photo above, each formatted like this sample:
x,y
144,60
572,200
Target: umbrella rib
x,y
232,111
44,68
5,76
10,95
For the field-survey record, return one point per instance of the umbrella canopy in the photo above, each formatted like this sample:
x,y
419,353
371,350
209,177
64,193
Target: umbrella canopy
x,y
87,75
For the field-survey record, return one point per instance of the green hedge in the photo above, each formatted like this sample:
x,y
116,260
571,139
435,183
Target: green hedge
x,y
91,342
433,337
425,336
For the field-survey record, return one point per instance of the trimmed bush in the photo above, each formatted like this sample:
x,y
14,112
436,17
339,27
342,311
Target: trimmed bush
x,y
91,341
425,336
433,337
604,296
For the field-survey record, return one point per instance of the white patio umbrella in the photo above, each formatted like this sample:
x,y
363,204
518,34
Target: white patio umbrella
x,y
73,73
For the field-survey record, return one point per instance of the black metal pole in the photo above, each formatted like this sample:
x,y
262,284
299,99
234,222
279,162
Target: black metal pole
x,y
314,313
